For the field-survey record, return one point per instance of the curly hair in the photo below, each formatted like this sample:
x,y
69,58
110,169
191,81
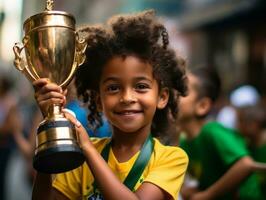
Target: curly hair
x,y
140,35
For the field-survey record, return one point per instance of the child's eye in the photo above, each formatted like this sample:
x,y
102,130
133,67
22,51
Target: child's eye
x,y
142,86
112,88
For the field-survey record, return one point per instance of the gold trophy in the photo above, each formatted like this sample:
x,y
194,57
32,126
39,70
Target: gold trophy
x,y
53,50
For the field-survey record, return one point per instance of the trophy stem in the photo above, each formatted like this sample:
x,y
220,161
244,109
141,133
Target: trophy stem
x,y
55,111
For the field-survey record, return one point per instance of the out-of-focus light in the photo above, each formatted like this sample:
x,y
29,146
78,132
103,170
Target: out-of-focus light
x,y
11,27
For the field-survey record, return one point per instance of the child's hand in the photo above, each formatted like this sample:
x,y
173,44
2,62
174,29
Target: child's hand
x,y
82,135
201,196
47,93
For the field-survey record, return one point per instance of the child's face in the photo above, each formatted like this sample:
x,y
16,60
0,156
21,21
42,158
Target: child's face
x,y
129,94
187,106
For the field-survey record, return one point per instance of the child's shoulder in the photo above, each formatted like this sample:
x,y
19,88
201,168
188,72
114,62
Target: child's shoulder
x,y
215,128
169,152
99,143
219,134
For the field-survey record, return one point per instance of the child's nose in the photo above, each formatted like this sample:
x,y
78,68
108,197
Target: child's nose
x,y
127,97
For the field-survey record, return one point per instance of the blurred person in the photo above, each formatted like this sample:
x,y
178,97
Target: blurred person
x,y
9,123
251,124
25,141
19,172
244,95
219,159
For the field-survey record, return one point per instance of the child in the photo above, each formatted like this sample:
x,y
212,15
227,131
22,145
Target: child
x,y
135,81
219,159
251,124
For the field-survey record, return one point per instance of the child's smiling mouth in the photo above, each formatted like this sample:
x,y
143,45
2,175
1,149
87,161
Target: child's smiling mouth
x,y
128,112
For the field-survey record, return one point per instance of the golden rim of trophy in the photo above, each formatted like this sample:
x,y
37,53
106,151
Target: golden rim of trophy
x,y
49,18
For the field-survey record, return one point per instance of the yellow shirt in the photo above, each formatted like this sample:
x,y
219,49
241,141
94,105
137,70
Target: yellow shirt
x,y
166,169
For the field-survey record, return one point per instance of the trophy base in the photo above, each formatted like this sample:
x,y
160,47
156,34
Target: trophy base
x,y
57,148
58,159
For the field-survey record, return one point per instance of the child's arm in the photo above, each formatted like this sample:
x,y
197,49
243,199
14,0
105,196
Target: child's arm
x,y
258,167
109,185
188,191
189,187
229,181
43,190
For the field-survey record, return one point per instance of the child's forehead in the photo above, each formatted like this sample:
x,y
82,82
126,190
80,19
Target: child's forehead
x,y
128,65
193,81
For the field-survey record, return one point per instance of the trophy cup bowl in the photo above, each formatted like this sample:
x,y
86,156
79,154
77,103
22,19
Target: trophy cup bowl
x,y
53,50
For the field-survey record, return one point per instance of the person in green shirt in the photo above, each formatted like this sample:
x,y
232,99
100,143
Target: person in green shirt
x,y
219,159
251,125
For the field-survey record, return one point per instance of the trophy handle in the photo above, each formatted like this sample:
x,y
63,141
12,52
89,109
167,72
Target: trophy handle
x,y
79,59
19,61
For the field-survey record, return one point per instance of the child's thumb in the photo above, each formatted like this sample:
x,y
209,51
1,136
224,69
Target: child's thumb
x,y
72,117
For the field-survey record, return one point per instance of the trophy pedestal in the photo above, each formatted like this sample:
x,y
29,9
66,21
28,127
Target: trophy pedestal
x,y
57,150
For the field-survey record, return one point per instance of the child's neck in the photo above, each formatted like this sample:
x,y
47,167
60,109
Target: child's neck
x,y
126,145
193,128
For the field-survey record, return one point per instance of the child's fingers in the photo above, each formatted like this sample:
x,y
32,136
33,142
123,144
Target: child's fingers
x,y
51,87
45,100
66,110
44,85
64,100
65,92
82,135
70,115
53,97
40,83
49,92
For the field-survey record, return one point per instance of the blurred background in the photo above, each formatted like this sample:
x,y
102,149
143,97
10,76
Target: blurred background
x,y
229,35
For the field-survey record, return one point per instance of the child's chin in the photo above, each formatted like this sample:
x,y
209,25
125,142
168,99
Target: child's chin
x,y
128,129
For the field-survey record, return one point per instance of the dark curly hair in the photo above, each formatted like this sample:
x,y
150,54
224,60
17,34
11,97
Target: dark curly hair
x,y
140,35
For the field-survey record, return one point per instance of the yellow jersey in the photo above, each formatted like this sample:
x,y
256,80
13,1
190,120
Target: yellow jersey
x,y
165,169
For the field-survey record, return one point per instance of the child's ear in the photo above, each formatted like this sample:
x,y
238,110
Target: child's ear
x,y
203,106
163,98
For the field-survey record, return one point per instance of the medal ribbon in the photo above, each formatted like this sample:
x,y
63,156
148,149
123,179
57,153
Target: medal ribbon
x,y
139,165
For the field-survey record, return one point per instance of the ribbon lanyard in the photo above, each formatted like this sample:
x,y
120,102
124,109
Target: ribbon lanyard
x,y
139,165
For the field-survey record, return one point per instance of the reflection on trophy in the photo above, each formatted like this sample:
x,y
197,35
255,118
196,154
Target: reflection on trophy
x,y
53,50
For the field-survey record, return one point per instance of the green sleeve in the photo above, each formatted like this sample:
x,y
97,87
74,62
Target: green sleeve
x,y
228,145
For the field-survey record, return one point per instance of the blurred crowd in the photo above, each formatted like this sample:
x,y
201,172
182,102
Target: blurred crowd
x,y
241,113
